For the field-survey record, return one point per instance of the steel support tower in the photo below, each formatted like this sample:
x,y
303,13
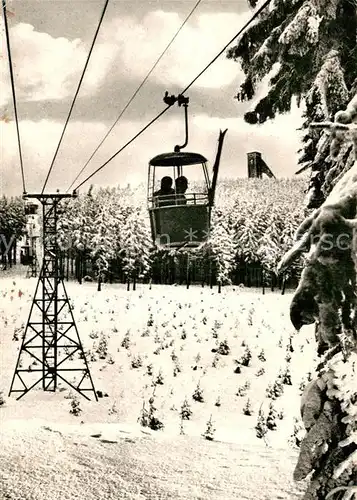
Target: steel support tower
x,y
51,351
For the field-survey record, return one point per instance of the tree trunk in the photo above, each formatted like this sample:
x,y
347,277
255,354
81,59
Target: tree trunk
x,y
134,281
188,271
79,267
84,264
247,279
67,265
3,262
283,286
111,273
9,255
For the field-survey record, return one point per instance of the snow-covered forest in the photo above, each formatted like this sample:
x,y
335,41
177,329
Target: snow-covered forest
x,y
106,232
253,223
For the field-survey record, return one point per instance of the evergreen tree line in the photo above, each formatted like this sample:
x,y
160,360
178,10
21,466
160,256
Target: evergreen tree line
x,y
106,234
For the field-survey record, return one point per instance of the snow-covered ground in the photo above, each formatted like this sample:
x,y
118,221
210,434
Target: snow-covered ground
x,y
172,331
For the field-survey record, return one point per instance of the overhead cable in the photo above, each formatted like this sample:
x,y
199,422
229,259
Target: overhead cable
x,y
77,92
136,92
123,147
252,18
13,93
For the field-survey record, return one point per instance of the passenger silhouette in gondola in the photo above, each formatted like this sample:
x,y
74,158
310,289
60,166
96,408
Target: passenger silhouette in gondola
x,y
163,195
181,185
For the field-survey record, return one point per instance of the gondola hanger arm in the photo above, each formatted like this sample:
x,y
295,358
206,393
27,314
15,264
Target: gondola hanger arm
x,y
181,101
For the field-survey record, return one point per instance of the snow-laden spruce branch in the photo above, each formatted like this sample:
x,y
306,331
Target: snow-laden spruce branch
x,y
307,51
326,296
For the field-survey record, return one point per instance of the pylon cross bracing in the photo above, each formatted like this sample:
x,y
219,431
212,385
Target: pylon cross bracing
x,y
51,351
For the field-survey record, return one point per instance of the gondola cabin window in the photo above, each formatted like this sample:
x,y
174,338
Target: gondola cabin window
x,y
31,208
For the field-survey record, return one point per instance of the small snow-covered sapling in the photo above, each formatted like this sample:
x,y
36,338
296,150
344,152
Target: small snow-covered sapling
x,y
75,407
210,430
271,418
261,356
261,428
198,394
185,411
247,409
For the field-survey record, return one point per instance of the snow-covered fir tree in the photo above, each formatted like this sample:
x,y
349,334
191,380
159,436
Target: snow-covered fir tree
x,y
103,242
272,418
249,231
326,296
76,226
220,248
135,245
308,48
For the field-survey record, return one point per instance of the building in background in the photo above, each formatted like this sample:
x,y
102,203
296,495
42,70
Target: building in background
x,y
29,248
257,166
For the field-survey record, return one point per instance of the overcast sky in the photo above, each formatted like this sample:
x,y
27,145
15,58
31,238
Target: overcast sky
x,y
50,40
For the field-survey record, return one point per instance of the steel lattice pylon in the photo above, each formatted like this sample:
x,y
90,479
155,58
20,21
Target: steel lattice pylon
x,y
51,341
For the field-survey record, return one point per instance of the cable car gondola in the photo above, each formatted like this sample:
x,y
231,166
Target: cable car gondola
x,y
179,216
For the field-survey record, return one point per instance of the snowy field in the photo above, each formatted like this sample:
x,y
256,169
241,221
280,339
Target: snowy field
x,y
167,343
